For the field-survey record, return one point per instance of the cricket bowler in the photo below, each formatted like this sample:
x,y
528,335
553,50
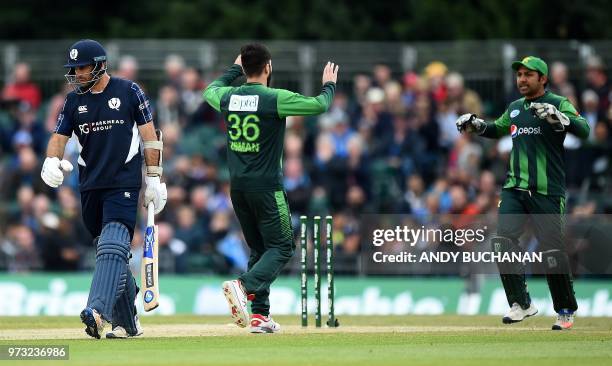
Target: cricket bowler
x,y
109,116
534,188
255,117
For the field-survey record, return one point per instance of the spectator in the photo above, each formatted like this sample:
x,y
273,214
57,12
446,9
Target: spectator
x,y
128,68
461,99
169,107
188,231
28,130
435,73
25,170
172,250
297,185
560,84
337,124
597,80
59,249
174,67
21,88
20,248
590,108
191,90
382,75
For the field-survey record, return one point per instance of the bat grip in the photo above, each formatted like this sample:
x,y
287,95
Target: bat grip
x,y
150,214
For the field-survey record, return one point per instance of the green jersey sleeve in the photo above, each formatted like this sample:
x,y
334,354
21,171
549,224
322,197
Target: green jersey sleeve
x,y
578,125
500,127
294,104
217,89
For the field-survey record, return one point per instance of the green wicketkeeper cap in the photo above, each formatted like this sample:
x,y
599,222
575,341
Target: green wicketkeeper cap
x,y
532,63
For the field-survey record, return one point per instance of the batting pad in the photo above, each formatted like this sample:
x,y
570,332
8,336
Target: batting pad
x,y
512,274
110,276
125,309
559,278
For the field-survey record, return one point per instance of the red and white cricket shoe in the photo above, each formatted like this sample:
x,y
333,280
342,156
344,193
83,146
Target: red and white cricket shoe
x,y
264,324
237,300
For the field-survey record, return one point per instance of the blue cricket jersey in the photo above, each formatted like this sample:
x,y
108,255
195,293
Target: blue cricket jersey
x,y
106,126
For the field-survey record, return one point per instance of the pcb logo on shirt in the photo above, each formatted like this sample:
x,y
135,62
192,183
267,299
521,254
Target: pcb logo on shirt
x,y
114,103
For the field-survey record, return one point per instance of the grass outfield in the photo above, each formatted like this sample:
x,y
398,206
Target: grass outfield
x,y
387,340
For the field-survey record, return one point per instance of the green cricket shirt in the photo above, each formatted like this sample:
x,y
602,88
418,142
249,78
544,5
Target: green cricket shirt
x,y
537,155
255,118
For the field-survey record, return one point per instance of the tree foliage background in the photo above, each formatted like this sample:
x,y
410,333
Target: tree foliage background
x,y
382,20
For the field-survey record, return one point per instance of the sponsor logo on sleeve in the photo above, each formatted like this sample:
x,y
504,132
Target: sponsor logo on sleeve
x,y
514,113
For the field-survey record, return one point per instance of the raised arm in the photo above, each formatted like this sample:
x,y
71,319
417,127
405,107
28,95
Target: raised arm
x,y
294,104
215,91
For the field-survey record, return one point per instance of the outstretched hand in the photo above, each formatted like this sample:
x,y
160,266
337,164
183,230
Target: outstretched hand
x,y
330,73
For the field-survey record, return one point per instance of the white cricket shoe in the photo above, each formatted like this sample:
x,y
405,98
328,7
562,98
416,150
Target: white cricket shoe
x,y
237,300
264,324
120,332
93,321
565,320
517,313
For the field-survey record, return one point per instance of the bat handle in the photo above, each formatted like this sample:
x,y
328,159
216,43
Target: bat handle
x,y
150,214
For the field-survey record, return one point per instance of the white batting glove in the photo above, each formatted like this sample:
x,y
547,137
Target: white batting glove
x,y
469,122
551,114
155,192
53,169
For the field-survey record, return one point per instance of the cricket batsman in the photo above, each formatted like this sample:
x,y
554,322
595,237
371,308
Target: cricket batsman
x,y
534,188
109,117
255,117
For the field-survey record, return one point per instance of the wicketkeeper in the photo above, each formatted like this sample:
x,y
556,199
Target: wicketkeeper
x,y
535,187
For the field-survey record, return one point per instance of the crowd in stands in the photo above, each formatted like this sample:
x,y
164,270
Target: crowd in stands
x,y
388,145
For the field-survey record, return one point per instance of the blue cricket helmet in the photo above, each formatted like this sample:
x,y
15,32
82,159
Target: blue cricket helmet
x,y
85,52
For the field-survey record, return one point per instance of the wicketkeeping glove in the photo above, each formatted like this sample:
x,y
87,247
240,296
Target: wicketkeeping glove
x,y
471,123
551,114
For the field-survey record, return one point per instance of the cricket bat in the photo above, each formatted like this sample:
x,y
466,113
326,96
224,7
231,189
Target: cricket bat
x,y
148,277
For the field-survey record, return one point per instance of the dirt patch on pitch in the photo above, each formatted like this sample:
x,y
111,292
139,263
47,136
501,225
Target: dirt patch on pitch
x,y
218,330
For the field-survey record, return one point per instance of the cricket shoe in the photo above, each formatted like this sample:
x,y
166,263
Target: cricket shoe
x,y
517,313
120,332
94,323
264,324
237,300
565,320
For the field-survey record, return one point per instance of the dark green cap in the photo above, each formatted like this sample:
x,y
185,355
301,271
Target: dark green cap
x,y
532,63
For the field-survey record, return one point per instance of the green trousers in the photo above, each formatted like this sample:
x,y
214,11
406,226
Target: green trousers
x,y
546,216
266,225
544,213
